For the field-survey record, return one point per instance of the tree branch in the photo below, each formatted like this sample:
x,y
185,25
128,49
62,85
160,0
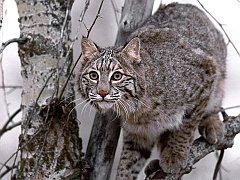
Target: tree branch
x,y
8,169
218,165
201,148
5,127
21,40
221,26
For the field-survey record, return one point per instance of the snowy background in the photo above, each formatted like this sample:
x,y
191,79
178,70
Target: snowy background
x,y
104,33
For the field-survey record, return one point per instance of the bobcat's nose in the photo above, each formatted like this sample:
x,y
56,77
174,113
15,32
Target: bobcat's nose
x,y
103,93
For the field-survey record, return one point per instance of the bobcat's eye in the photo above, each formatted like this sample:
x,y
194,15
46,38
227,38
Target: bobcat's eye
x,y
93,75
117,76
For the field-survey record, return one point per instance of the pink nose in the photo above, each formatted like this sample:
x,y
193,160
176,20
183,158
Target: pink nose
x,y
103,93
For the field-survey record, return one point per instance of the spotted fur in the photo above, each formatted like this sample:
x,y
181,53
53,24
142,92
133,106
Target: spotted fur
x,y
165,83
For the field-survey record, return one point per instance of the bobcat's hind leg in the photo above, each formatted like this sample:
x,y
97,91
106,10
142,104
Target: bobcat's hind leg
x,y
212,128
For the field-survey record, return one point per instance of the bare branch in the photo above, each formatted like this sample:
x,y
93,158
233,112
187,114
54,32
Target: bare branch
x,y
11,87
218,165
5,127
1,13
232,107
95,19
21,40
87,2
221,26
88,34
201,148
4,45
8,169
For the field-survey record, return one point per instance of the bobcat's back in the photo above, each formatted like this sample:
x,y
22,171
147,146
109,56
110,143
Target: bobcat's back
x,y
180,43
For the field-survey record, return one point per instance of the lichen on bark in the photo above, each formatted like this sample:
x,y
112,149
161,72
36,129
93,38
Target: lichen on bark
x,y
49,143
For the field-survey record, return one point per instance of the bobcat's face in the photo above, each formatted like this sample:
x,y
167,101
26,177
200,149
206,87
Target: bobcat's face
x,y
104,80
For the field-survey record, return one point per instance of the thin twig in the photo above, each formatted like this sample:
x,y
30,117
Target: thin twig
x,y
95,19
8,169
65,22
79,57
3,85
232,107
218,165
20,148
221,26
87,3
4,45
69,76
21,40
10,87
5,126
13,126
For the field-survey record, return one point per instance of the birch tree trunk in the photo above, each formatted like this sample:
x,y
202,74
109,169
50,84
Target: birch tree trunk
x,y
105,132
49,142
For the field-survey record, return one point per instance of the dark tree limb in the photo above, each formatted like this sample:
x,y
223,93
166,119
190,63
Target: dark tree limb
x,y
102,145
21,40
5,127
201,148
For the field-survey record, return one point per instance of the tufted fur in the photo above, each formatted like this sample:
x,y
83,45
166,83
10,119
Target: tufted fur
x,y
172,79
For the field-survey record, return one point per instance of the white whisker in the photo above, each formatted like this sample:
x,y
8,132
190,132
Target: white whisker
x,y
117,112
89,113
124,108
78,100
142,103
66,99
84,108
75,108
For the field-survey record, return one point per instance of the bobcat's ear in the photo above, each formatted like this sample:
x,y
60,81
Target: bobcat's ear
x,y
132,50
89,50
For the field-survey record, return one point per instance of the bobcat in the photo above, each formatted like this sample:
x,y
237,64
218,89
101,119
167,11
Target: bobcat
x,y
166,82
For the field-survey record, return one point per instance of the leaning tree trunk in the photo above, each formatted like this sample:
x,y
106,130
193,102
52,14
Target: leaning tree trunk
x,y
50,147
105,132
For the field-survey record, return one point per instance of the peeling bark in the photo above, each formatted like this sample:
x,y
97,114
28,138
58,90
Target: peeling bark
x,y
49,142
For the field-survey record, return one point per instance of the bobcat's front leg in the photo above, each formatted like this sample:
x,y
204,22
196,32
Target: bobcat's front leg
x,y
173,156
133,156
175,145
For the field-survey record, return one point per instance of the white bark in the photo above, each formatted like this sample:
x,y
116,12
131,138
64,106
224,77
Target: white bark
x,y
49,142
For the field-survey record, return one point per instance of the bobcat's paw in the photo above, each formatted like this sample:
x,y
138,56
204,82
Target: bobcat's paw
x,y
172,162
152,167
154,171
212,129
